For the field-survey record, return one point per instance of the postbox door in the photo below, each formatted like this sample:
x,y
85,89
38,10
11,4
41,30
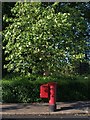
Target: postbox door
x,y
44,91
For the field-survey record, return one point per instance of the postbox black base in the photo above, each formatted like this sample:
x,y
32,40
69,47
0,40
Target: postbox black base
x,y
52,108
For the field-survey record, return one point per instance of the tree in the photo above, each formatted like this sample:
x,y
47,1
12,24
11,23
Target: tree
x,y
6,11
42,40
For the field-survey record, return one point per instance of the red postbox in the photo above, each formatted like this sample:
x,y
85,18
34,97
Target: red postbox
x,y
44,91
49,91
52,100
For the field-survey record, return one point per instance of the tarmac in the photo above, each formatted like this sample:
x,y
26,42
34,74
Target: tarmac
x,y
79,108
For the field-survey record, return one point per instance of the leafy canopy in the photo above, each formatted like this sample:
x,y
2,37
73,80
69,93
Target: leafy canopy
x,y
40,40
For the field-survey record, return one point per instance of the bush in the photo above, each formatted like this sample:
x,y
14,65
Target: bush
x,y
26,89
20,91
72,91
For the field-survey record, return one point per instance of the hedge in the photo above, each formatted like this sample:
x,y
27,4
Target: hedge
x,y
26,89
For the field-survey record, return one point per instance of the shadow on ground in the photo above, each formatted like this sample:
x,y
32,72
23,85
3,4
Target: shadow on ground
x,y
78,106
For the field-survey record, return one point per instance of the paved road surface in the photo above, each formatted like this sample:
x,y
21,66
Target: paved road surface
x,y
79,110
58,117
51,117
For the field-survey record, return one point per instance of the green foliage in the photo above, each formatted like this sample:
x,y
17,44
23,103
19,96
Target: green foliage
x,y
40,40
25,90
82,68
20,91
6,10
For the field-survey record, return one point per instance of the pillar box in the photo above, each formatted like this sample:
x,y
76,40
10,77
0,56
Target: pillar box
x,y
49,91
52,100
